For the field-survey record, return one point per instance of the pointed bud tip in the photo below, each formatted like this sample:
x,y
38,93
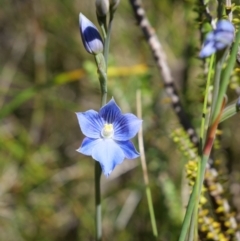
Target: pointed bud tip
x,y
114,4
102,7
91,38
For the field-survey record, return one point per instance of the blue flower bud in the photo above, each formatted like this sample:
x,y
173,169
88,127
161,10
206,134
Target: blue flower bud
x,y
218,39
91,38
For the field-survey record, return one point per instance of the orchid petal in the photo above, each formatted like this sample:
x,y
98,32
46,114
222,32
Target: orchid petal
x,y
110,112
108,150
90,123
224,37
128,148
126,127
108,154
218,39
207,50
225,25
87,146
209,38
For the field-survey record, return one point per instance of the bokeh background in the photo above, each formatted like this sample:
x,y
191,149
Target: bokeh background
x,y
46,187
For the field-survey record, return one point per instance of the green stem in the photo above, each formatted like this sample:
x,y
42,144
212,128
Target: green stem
x,y
102,21
188,214
98,217
107,39
194,198
144,166
204,112
102,75
193,226
151,211
221,57
195,210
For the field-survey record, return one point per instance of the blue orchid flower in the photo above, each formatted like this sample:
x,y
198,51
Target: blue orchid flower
x,y
218,39
107,135
91,38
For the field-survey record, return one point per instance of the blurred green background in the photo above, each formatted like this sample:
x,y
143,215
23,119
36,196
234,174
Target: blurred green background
x,y
46,187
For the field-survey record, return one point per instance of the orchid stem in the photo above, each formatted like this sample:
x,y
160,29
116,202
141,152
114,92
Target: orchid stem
x,y
98,217
102,75
107,39
144,167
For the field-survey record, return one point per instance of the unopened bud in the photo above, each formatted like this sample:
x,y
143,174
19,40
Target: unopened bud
x,y
114,4
102,7
91,38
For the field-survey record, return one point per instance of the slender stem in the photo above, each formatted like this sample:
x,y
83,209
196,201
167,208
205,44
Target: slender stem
x,y
201,144
218,70
151,211
98,217
102,21
107,39
204,112
229,10
102,75
194,198
195,210
190,236
188,215
144,168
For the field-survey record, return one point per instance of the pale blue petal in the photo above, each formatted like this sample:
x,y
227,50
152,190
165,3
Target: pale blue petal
x,y
87,146
207,50
128,148
90,36
218,39
225,25
90,123
225,38
108,154
110,111
220,45
126,127
209,38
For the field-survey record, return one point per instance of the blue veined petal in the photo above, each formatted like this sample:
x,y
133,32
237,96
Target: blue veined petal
x,y
126,127
207,50
224,37
90,123
225,25
218,39
108,154
110,111
128,148
87,146
209,38
90,36
220,45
